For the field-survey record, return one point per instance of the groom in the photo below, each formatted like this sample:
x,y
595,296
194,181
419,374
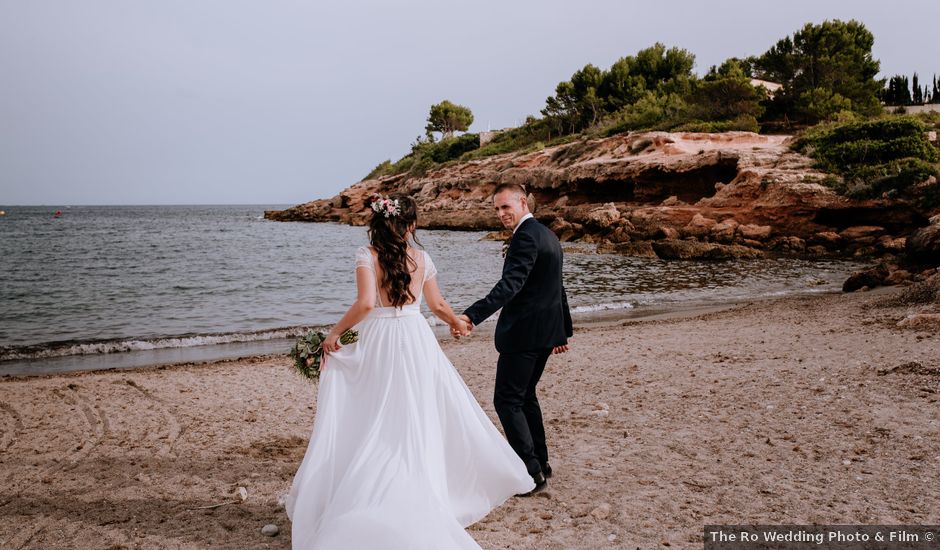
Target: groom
x,y
534,323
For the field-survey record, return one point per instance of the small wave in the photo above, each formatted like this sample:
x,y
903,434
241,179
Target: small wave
x,y
602,307
63,349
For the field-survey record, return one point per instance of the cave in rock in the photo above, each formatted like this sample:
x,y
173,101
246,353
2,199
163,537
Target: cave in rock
x,y
654,185
584,191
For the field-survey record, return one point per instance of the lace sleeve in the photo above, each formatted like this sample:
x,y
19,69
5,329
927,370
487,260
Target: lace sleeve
x,y
429,270
364,258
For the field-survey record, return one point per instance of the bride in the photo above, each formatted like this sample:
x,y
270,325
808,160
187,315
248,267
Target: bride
x,y
401,455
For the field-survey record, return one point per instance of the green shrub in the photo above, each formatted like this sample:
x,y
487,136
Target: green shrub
x,y
537,146
420,166
845,116
404,164
887,156
833,181
931,119
496,147
562,140
821,104
651,112
452,148
517,139
383,169
892,177
425,154
839,147
743,123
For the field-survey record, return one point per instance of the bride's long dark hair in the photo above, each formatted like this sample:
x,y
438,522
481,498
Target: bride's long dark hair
x,y
387,235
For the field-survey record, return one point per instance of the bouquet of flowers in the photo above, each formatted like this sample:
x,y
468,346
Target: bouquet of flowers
x,y
307,352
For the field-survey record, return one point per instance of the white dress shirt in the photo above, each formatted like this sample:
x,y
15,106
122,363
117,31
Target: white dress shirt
x,y
524,218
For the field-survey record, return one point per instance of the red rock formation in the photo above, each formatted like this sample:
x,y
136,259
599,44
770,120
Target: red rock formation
x,y
734,188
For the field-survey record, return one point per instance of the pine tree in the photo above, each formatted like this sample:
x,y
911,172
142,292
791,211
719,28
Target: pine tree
x,y
918,98
891,92
898,92
824,69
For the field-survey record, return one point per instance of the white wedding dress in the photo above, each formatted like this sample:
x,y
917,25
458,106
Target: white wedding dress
x,y
401,455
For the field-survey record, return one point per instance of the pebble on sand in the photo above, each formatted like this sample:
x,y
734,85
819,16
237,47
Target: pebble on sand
x,y
602,511
600,410
270,530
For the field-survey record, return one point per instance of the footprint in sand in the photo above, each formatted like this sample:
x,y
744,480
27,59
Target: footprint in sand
x,y
12,426
173,428
98,428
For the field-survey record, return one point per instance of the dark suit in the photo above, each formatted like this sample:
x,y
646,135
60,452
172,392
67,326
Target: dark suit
x,y
534,319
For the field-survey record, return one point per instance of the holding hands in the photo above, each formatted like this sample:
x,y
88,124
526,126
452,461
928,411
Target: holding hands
x,y
461,327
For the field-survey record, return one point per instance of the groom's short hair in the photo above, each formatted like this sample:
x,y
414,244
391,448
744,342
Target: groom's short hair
x,y
514,187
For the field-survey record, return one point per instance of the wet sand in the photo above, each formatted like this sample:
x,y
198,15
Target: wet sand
x,y
782,411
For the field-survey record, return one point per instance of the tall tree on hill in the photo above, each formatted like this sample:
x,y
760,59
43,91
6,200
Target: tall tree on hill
x,y
905,96
649,76
824,68
935,97
726,93
898,92
655,69
561,109
447,118
908,95
917,98
585,84
576,103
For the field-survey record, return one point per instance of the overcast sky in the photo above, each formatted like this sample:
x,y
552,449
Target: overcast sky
x,y
276,101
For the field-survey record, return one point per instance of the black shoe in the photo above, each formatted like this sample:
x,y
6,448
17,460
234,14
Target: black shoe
x,y
540,485
547,470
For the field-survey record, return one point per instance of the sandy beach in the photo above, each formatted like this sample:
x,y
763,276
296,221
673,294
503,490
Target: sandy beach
x,y
797,410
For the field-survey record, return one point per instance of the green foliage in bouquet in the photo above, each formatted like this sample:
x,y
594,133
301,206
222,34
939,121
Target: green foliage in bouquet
x,y
307,352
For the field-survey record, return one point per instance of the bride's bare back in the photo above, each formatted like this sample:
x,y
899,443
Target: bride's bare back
x,y
417,276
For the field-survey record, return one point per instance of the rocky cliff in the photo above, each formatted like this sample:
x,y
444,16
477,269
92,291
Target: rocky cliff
x,y
671,195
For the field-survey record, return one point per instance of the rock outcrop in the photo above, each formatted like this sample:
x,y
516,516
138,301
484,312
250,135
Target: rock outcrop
x,y
869,278
678,195
923,246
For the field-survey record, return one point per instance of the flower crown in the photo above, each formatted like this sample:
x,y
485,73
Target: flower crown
x,y
384,205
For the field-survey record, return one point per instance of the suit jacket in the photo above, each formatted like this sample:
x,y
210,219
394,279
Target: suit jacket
x,y
531,294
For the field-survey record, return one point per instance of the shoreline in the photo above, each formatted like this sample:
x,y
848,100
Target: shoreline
x,y
581,320
780,411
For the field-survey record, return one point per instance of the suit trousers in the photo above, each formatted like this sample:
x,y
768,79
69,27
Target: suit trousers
x,y
517,405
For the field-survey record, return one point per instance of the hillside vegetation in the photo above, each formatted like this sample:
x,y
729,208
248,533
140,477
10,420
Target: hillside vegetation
x,y
828,93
